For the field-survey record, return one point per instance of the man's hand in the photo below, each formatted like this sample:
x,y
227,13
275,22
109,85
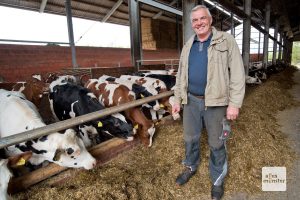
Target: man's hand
x,y
175,108
232,113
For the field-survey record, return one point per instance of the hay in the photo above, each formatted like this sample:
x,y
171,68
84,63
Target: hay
x,y
149,173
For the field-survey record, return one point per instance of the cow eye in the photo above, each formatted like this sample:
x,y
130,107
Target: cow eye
x,y
69,151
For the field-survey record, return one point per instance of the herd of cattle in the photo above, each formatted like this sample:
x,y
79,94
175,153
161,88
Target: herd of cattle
x,y
32,104
40,101
257,72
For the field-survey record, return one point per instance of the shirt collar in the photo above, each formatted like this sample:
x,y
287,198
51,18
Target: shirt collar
x,y
196,39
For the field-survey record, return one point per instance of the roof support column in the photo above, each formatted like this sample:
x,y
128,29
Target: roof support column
x,y
232,27
289,48
246,35
70,31
280,47
187,6
135,32
258,53
275,42
266,36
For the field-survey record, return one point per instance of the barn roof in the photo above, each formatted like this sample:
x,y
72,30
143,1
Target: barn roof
x,y
116,11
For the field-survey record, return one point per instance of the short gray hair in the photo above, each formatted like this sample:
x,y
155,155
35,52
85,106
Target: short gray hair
x,y
198,7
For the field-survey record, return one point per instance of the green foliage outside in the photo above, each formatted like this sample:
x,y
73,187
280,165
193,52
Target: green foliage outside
x,y
296,54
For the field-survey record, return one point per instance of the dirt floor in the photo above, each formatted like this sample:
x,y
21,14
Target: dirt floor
x,y
149,173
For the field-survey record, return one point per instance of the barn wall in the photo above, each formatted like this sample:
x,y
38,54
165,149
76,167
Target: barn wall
x,y
17,62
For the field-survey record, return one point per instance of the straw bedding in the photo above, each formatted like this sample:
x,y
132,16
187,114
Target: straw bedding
x,y
149,173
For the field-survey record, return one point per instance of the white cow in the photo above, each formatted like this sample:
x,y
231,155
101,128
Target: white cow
x,y
19,115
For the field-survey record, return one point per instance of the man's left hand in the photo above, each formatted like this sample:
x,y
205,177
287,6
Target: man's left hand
x,y
232,113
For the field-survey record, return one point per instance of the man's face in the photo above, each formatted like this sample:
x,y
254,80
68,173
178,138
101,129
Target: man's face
x,y
201,22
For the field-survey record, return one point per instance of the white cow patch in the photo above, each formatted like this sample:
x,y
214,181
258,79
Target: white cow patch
x,y
72,113
91,81
91,95
5,176
151,132
111,88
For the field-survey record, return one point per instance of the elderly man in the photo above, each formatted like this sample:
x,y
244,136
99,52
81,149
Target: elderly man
x,y
211,85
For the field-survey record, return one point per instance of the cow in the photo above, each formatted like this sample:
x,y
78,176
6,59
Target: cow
x,y
139,90
169,80
253,80
68,100
5,173
114,94
19,115
166,102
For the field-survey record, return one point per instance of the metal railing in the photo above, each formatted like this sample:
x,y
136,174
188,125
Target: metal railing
x,y
169,63
61,125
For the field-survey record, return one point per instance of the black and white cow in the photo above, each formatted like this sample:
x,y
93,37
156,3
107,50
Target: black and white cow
x,y
18,115
68,101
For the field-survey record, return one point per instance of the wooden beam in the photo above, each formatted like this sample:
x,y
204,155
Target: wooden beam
x,y
102,152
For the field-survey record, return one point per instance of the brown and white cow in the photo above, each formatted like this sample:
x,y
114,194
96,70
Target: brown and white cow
x,y
166,102
113,94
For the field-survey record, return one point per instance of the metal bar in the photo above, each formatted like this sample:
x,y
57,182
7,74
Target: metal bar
x,y
275,42
70,31
114,8
30,41
43,5
162,6
246,35
161,12
266,36
36,133
280,47
259,33
232,24
135,32
187,6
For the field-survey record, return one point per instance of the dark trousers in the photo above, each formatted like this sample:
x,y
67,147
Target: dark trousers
x,y
194,117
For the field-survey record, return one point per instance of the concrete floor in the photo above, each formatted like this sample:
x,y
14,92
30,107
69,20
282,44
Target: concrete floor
x,y
290,125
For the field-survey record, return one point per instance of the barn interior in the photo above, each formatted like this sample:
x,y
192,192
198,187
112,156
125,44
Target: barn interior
x,y
146,19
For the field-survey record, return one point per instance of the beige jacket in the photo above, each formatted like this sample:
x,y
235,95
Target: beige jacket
x,y
225,72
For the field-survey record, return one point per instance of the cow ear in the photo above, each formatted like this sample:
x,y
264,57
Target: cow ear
x,y
70,133
19,160
57,154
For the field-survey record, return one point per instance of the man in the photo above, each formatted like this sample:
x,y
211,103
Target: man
x,y
211,85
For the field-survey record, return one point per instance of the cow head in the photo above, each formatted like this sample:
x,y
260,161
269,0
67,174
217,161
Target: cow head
x,y
116,126
71,152
146,133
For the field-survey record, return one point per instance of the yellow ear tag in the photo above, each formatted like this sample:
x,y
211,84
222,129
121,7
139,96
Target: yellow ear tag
x,y
161,106
136,126
100,124
21,162
142,96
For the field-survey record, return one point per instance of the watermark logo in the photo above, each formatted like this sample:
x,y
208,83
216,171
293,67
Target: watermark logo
x,y
273,179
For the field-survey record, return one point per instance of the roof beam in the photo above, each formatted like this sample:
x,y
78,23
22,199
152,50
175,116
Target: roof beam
x,y
230,6
161,6
114,8
43,5
161,12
